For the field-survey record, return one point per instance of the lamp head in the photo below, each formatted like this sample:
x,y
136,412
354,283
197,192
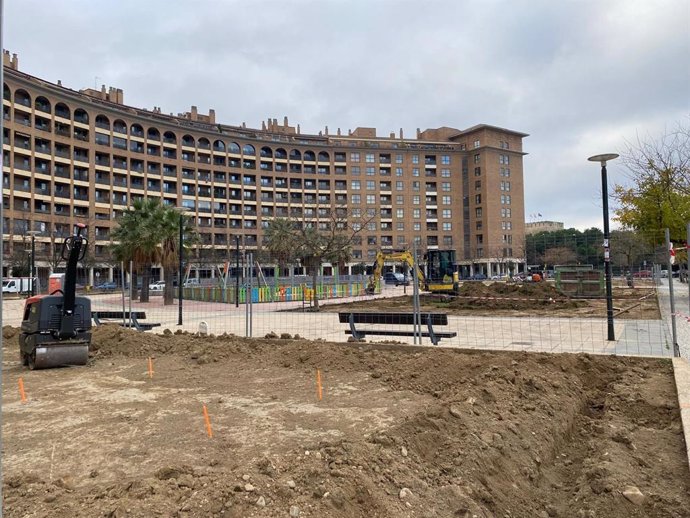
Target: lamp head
x,y
603,158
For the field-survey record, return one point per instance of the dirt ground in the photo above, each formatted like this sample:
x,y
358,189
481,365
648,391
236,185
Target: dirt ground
x,y
520,300
400,432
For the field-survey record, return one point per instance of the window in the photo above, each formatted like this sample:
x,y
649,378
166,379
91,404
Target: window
x,y
369,158
509,225
447,240
445,186
505,172
445,159
446,213
371,171
416,226
476,144
398,171
398,159
399,186
355,185
445,200
477,171
415,171
371,185
480,239
401,239
415,186
356,199
371,199
478,212
399,199
355,170
477,198
356,212
479,225
445,173
446,226
503,159
507,185
416,213
477,158
354,157
372,226
399,213
356,226
415,199
415,159
477,185
505,199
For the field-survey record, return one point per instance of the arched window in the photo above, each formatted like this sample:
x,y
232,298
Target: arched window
x,y
323,157
22,97
203,143
119,126
42,104
61,110
280,153
169,137
188,141
219,145
266,152
309,156
248,149
234,148
6,93
102,122
295,155
81,116
136,130
153,134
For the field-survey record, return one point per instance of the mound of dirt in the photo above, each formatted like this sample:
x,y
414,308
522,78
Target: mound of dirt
x,y
462,434
500,295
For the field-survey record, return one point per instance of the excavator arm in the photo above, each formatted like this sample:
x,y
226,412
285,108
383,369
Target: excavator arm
x,y
395,257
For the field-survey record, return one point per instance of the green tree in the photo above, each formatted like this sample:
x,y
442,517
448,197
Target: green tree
x,y
327,238
658,195
148,234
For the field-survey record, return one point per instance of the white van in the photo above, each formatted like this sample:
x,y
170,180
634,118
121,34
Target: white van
x,y
17,285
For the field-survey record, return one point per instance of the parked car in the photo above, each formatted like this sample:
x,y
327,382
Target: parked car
x,y
191,283
106,286
157,286
479,277
397,279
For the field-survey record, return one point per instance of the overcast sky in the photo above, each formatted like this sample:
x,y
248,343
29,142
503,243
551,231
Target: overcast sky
x,y
581,77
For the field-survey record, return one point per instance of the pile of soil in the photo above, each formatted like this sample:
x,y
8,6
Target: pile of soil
x,y
464,433
517,300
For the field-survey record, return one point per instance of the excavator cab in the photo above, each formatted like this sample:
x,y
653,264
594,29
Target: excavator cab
x,y
56,328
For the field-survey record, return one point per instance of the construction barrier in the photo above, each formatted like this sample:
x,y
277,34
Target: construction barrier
x,y
295,293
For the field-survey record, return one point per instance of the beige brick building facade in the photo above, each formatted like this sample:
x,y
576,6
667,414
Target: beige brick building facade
x,y
83,156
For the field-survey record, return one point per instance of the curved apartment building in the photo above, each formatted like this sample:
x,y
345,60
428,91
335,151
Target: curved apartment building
x,y
83,156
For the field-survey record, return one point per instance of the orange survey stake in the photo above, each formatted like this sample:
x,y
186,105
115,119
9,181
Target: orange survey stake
x,y
22,394
150,365
319,389
207,421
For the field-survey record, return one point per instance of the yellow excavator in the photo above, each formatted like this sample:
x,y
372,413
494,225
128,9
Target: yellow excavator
x,y
441,277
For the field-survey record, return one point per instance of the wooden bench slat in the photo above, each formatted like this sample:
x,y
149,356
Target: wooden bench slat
x,y
439,319
118,314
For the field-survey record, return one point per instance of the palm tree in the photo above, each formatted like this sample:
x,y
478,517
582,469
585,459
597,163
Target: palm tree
x,y
138,239
168,252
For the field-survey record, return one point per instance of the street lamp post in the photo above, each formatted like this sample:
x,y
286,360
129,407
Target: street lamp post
x,y
607,258
33,275
180,211
237,271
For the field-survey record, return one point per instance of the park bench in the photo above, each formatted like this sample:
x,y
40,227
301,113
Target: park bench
x,y
428,321
122,318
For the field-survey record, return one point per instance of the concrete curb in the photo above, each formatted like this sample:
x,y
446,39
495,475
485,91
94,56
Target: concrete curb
x,y
681,371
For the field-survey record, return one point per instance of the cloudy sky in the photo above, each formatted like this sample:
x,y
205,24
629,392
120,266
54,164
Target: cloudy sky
x,y
581,77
